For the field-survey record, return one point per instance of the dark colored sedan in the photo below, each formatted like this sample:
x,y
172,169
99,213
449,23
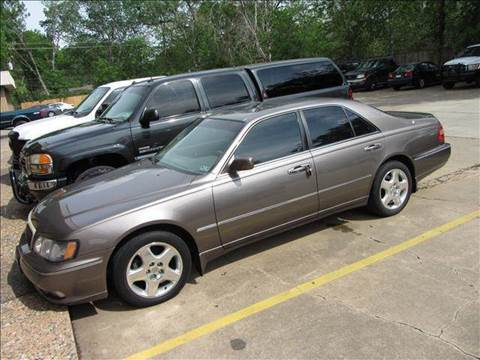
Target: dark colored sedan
x,y
19,117
227,180
418,75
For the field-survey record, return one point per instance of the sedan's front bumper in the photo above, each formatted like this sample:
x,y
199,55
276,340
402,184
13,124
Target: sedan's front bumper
x,y
71,282
358,84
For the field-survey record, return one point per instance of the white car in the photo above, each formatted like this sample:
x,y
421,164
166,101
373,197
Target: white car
x,y
93,105
62,106
465,67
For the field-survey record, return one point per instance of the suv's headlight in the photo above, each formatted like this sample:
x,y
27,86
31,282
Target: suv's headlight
x,y
473,67
360,76
40,164
55,250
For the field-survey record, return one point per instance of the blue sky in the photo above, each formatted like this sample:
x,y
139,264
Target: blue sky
x,y
35,8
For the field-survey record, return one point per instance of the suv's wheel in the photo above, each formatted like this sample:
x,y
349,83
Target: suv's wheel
x,y
448,85
391,189
94,171
151,268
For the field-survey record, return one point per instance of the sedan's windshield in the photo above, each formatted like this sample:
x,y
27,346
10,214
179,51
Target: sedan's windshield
x,y
199,147
471,51
91,101
125,104
369,64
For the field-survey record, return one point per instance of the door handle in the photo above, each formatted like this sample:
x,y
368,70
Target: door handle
x,y
372,147
301,168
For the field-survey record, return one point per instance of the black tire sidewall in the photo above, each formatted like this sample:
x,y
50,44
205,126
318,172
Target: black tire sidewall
x,y
123,255
19,122
92,171
448,85
374,202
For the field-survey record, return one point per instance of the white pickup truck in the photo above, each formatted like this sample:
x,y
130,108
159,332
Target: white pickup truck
x,y
89,108
463,68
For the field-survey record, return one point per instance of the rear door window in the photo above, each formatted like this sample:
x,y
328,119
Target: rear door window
x,y
222,90
359,124
298,78
272,139
327,125
175,98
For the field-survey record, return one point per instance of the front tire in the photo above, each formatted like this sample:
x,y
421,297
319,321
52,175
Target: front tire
x,y
19,122
93,172
151,268
391,189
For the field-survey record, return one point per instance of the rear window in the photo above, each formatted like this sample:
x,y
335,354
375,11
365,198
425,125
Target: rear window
x,y
298,78
225,90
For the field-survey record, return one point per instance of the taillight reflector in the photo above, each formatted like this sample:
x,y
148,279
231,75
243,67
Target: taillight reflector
x,y
350,93
441,134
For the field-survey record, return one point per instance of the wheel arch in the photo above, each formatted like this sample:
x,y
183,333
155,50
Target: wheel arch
x,y
172,228
110,159
20,117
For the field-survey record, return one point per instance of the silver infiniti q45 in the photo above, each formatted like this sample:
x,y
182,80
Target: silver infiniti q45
x,y
225,181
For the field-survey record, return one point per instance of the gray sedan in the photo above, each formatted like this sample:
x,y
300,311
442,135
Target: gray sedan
x,y
225,181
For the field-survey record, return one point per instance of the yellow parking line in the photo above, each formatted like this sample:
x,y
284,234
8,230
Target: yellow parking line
x,y
298,290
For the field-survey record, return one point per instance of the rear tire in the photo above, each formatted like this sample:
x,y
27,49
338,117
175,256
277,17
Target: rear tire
x,y
396,88
133,259
448,85
93,172
391,189
51,114
19,122
420,84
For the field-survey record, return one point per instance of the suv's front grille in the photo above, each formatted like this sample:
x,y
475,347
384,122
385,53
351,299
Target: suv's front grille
x,y
457,68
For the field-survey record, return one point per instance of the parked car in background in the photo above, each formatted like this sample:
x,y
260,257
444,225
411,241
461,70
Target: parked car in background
x,y
149,114
371,74
18,117
218,186
55,109
348,65
92,106
415,74
464,68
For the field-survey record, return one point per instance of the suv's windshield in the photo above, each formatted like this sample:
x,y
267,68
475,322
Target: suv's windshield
x,y
472,51
90,101
199,147
125,104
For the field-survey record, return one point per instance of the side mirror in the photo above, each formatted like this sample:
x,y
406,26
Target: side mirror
x,y
240,164
101,109
148,116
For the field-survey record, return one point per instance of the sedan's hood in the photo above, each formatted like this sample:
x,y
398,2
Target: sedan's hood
x,y
464,60
35,129
97,199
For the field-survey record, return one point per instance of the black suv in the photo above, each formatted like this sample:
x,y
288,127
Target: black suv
x,y
371,74
149,114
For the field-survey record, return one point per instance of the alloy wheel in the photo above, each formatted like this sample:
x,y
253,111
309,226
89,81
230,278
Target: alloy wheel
x,y
394,189
154,270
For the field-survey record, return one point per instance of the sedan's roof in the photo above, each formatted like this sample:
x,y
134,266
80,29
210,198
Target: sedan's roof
x,y
255,111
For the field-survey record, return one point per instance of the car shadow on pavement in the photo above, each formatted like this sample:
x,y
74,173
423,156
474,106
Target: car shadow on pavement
x,y
14,210
338,222
5,179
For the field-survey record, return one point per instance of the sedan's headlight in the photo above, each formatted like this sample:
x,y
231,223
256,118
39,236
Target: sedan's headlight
x,y
473,67
360,76
40,164
54,250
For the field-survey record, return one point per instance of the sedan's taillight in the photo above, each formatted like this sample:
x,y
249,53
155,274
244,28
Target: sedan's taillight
x,y
390,75
350,93
408,73
440,134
